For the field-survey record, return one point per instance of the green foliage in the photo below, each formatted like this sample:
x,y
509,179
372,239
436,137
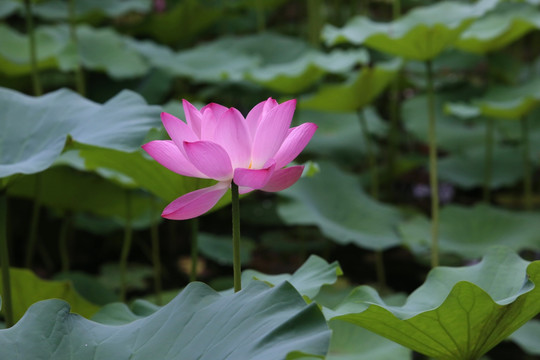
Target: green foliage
x,y
196,324
121,123
421,34
346,214
27,289
469,231
459,313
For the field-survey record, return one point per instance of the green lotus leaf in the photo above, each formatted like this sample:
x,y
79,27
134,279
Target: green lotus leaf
x,y
336,203
257,323
34,129
452,134
467,169
527,337
421,34
509,22
458,313
98,49
351,342
467,232
358,91
8,7
307,280
297,75
15,53
68,190
339,134
58,9
27,288
502,102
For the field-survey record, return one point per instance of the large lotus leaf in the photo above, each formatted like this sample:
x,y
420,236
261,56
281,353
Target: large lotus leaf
x,y
339,135
232,57
58,9
297,75
27,288
452,134
502,102
499,28
14,50
106,50
458,313
140,171
307,280
351,342
66,189
336,203
98,49
34,129
257,323
8,7
358,91
467,169
527,337
421,34
469,231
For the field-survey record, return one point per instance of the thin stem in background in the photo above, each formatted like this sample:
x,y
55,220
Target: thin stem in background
x,y
79,75
261,21
374,183
194,248
527,180
237,270
34,224
126,247
315,21
433,179
394,110
156,260
374,189
488,161
7,307
63,243
33,53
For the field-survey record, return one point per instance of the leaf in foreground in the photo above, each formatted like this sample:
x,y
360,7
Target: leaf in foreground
x,y
27,288
458,313
257,323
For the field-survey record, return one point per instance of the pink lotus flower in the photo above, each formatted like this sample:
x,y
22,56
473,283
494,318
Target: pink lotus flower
x,y
219,143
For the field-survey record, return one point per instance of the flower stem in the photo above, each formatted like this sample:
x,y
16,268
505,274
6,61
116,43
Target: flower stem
x,y
527,181
126,247
33,53
194,248
79,75
236,238
393,136
154,235
261,21
315,21
4,259
488,160
63,242
433,182
374,186
34,223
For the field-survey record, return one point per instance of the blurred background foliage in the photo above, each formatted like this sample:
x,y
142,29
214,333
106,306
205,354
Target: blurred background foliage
x,y
82,195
